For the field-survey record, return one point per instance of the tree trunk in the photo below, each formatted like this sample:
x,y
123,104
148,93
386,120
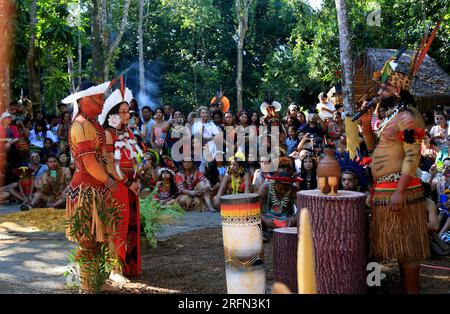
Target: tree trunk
x,y
34,88
98,60
347,75
7,17
141,50
285,256
110,51
70,72
339,236
80,51
242,10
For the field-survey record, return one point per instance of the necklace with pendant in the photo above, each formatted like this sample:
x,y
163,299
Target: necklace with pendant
x,y
278,204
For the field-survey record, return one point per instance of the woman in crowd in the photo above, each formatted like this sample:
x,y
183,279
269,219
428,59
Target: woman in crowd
x,y
336,128
429,151
157,135
440,130
236,181
39,134
308,173
193,187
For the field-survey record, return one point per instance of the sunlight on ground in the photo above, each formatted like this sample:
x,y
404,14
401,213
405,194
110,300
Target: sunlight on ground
x,y
37,219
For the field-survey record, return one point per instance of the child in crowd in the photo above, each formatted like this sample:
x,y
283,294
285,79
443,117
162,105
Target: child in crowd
x,y
166,187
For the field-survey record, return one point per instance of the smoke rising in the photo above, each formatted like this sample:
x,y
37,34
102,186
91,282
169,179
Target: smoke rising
x,y
150,96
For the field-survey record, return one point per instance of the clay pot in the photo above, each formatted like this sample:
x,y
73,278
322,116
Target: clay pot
x,y
328,173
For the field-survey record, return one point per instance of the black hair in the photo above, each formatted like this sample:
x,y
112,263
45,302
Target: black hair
x,y
48,139
219,112
62,105
14,103
42,124
212,173
251,113
173,186
313,185
159,108
114,110
52,156
147,107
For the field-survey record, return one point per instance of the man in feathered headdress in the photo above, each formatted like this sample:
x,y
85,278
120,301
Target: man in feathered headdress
x,y
89,193
269,108
399,213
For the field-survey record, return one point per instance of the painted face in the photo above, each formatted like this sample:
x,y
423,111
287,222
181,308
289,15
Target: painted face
x,y
98,100
124,113
348,182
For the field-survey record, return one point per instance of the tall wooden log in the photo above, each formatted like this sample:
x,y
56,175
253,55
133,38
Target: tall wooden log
x,y
339,236
7,22
285,256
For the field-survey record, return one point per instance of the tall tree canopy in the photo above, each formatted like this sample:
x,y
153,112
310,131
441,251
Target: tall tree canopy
x,y
290,49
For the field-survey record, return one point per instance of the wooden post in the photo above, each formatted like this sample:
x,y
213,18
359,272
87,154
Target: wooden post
x,y
339,236
345,47
7,16
285,256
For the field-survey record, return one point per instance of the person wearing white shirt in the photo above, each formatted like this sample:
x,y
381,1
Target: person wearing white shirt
x,y
325,107
207,129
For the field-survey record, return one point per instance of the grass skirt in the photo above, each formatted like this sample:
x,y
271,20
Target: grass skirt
x,y
399,232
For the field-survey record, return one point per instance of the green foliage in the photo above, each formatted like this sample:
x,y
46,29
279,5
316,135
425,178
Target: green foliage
x,y
290,49
153,214
96,260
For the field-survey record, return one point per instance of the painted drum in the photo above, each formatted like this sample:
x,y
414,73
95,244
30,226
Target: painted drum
x,y
243,244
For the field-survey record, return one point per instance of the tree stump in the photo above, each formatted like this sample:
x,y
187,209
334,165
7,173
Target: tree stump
x,y
339,236
285,243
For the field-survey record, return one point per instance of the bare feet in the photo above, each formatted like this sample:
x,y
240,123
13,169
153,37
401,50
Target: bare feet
x,y
118,278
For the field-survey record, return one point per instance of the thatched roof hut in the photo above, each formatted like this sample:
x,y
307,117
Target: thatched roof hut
x,y
430,87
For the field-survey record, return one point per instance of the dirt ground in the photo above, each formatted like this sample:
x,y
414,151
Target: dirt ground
x,y
194,263
190,262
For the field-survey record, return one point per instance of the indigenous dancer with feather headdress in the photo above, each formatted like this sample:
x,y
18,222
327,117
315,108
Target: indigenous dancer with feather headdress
x,y
122,153
399,214
91,211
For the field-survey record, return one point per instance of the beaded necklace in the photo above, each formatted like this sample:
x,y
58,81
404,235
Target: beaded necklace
x,y
235,184
278,204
